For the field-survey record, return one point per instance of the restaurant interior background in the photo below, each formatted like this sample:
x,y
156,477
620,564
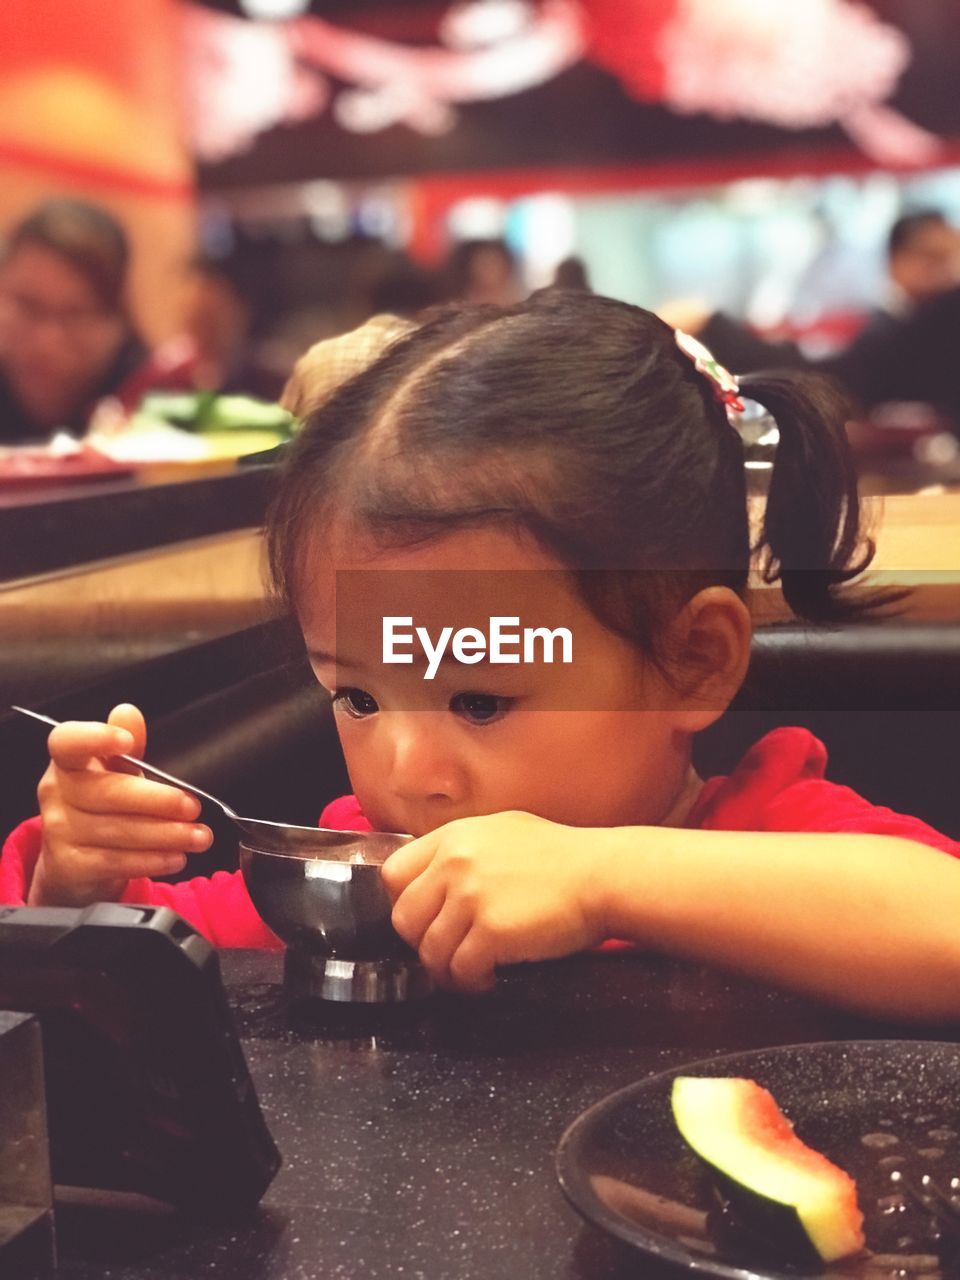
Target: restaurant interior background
x,y
749,156
334,159
326,160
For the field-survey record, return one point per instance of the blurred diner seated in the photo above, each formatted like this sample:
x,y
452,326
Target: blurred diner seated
x,y
214,350
571,273
403,289
482,271
66,338
900,354
925,350
923,260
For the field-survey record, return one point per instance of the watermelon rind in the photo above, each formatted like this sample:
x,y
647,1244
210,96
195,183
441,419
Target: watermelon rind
x,y
736,1128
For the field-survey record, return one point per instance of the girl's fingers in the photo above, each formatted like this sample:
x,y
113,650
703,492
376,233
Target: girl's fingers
x,y
442,938
127,716
408,862
105,832
117,793
417,907
77,743
128,864
471,967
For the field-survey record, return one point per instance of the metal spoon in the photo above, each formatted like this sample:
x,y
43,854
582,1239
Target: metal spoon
x,y
273,837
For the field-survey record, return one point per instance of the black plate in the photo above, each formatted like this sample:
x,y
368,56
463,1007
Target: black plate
x,y
869,1106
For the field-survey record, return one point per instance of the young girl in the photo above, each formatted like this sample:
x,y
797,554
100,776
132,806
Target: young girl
x,y
570,458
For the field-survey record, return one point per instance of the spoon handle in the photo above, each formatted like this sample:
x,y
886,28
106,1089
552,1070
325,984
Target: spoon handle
x,y
148,770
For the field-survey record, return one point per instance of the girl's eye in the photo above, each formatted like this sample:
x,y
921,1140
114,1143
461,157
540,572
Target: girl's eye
x,y
356,702
480,708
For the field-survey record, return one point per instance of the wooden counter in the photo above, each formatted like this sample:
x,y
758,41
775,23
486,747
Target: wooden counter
x,y
917,540
209,584
217,583
48,530
94,577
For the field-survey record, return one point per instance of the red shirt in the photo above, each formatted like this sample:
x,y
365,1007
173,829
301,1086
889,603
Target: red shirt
x,y
779,785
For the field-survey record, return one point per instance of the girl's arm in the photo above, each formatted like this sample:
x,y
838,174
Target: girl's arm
x,y
869,921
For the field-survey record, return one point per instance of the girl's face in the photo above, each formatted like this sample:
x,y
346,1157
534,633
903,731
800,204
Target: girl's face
x,y
601,741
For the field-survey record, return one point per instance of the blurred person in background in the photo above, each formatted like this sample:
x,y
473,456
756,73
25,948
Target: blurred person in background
x,y
404,289
214,349
571,273
886,361
923,352
482,271
66,338
923,260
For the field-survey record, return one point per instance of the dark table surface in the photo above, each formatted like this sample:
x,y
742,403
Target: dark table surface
x,y
43,531
418,1142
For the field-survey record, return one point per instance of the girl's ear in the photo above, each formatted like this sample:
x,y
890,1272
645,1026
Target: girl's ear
x,y
711,640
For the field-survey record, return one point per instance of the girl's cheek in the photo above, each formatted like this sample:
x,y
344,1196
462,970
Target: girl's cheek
x,y
366,759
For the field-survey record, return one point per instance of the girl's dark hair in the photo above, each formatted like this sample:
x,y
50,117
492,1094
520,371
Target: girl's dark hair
x,y
576,419
87,237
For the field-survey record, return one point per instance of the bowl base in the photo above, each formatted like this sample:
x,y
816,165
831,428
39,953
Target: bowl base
x,y
307,976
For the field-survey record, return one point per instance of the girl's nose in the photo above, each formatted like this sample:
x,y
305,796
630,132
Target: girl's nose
x,y
423,765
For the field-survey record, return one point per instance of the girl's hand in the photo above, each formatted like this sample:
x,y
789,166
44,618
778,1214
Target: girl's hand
x,y
103,826
493,890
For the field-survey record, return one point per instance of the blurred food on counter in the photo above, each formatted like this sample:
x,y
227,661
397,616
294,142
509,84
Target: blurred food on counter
x,y
170,436
62,460
197,431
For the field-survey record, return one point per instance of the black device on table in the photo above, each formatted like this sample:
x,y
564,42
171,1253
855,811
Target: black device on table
x,y
148,1091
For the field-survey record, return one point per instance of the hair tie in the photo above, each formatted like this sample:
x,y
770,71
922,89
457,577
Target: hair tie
x,y
726,388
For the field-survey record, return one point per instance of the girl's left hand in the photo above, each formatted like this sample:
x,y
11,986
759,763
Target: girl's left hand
x,y
492,890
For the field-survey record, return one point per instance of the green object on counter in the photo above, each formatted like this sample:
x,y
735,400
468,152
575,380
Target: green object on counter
x,y
205,411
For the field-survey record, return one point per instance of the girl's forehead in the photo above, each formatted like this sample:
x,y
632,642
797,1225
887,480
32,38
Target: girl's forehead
x,y
460,579
485,547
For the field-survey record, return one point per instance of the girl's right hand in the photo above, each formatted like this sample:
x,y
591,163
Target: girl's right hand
x,y
103,825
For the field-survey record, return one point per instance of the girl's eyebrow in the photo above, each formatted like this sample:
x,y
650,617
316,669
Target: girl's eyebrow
x,y
447,659
332,659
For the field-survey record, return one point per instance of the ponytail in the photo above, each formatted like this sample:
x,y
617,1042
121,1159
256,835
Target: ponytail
x,y
811,535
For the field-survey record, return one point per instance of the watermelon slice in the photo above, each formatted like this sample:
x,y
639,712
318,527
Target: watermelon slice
x,y
778,1185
